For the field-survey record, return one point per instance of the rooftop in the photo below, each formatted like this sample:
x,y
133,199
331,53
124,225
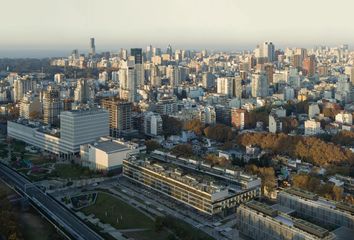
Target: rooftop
x,y
110,146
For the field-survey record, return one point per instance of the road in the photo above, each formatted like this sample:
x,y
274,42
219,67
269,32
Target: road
x,y
58,213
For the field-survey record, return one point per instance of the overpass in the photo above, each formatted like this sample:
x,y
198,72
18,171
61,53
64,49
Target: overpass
x,y
56,212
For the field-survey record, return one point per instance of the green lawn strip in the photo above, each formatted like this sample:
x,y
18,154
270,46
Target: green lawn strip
x,y
108,209
148,234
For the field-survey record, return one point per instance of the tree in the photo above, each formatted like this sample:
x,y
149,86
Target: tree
x,y
171,126
194,125
183,150
151,145
219,132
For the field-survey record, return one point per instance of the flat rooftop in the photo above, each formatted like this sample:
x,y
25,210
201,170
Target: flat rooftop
x,y
202,182
110,146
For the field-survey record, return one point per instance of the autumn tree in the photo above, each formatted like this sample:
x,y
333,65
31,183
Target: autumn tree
x,y
183,150
194,125
219,132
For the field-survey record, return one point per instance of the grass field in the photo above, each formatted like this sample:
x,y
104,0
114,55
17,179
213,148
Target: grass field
x,y
108,209
71,171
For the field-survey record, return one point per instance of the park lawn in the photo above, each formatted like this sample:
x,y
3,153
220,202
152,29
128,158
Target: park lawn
x,y
128,217
71,171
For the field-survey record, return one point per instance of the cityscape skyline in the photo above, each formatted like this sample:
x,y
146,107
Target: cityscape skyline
x,y
230,25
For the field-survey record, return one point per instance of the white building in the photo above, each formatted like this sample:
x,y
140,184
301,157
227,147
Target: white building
x,y
106,155
344,118
259,85
225,86
59,78
77,127
152,124
312,127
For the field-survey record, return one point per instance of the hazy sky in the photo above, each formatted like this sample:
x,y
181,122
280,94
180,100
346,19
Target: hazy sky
x,y
39,27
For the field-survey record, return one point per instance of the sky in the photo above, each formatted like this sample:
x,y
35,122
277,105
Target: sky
x,y
38,28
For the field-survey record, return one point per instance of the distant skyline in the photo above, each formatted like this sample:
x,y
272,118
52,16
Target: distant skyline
x,y
40,28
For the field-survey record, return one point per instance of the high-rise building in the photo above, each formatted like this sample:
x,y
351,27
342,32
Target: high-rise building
x,y
269,51
137,53
128,82
169,50
208,80
120,115
265,52
225,86
259,85
20,87
269,71
51,106
155,77
82,91
237,87
152,124
83,126
30,107
173,74
92,47
349,70
309,66
240,118
59,78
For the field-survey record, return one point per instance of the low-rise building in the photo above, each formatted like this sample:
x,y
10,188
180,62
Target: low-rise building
x,y
311,206
209,190
260,221
312,127
107,155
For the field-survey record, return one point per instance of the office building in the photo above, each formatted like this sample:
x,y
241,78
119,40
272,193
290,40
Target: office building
x,y
120,116
77,127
